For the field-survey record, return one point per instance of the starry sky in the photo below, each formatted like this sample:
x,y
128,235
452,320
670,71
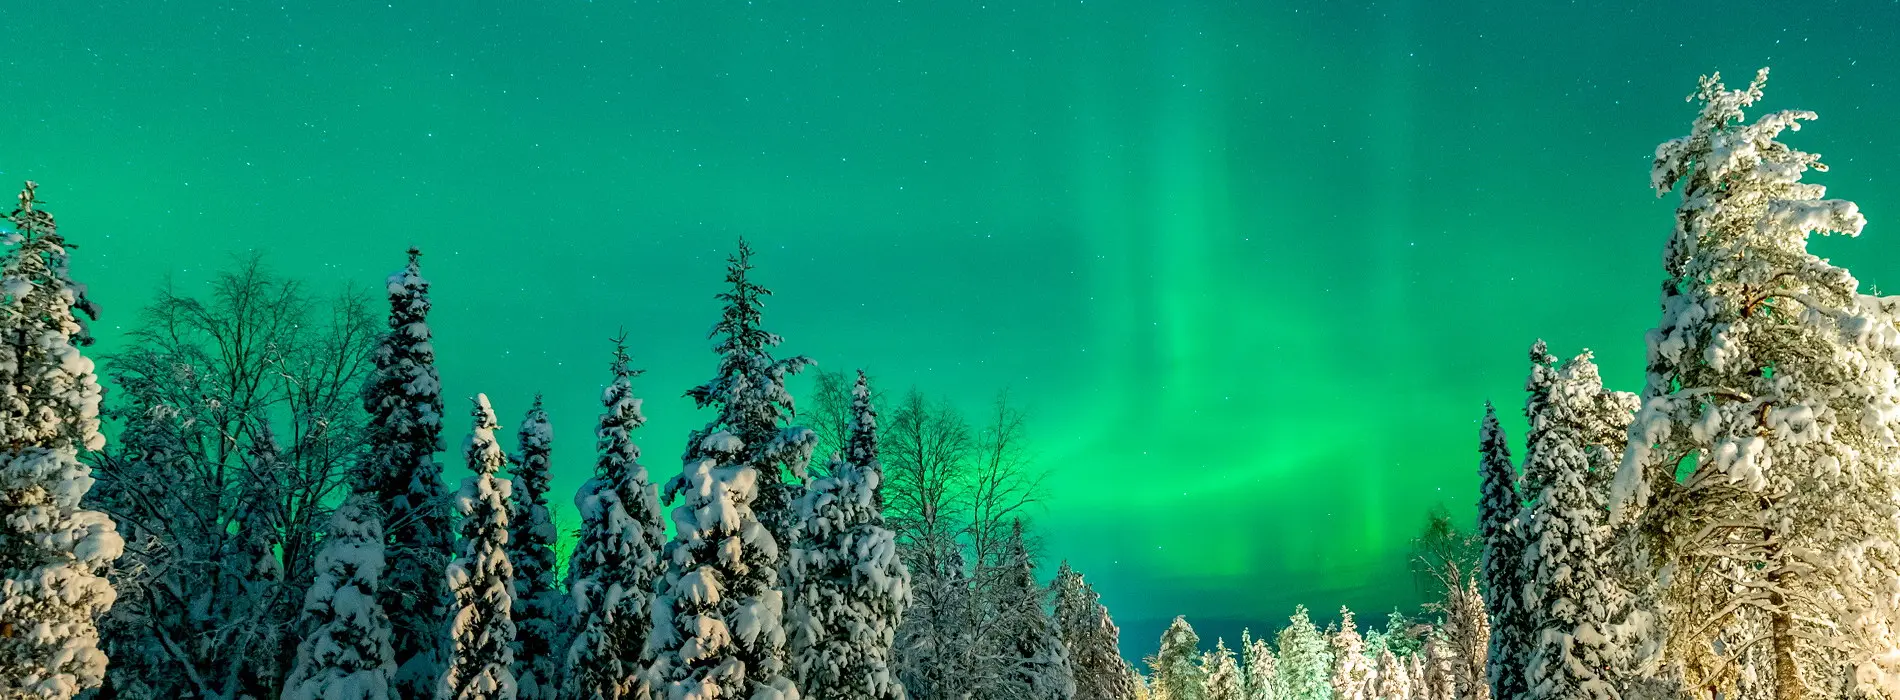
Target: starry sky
x,y
1253,267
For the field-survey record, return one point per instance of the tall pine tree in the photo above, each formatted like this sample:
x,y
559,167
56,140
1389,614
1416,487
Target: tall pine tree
x,y
540,610
617,557
1351,671
749,394
1306,660
482,629
718,618
1093,640
1023,640
404,400
1176,665
1500,508
1262,669
1223,673
850,587
51,550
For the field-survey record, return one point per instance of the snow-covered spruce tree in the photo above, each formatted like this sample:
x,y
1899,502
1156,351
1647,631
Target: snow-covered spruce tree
x,y
1351,672
1223,673
1571,595
1023,640
1306,660
1261,673
1760,454
404,400
938,648
51,549
1392,678
347,655
749,394
1093,640
482,628
1499,509
617,556
540,610
849,587
1176,665
718,621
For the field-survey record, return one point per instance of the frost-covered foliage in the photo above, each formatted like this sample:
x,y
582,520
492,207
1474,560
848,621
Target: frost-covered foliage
x,y
1391,677
718,618
52,550
1306,660
1260,669
617,557
347,654
540,609
1761,460
482,629
1352,671
240,418
404,400
936,648
1176,665
1456,651
1222,673
1093,640
1571,599
1500,506
749,394
1021,639
849,586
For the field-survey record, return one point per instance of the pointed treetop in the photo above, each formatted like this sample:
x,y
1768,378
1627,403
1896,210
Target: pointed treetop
x,y
484,454
861,431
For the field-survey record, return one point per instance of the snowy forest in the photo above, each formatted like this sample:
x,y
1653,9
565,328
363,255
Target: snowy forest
x,y
277,514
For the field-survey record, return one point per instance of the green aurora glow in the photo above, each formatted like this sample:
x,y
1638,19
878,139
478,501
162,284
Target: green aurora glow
x,y
1254,266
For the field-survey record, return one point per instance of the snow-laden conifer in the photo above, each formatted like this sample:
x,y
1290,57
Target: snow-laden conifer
x,y
936,639
1351,672
1571,597
752,403
1500,507
1223,673
718,618
849,586
1260,669
1763,450
617,556
1176,665
1392,678
540,610
1093,640
1305,660
404,400
482,629
347,655
51,549
1022,638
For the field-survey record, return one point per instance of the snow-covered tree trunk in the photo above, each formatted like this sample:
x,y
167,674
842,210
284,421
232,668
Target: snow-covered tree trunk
x,y
617,556
348,654
540,610
482,629
51,549
849,587
404,400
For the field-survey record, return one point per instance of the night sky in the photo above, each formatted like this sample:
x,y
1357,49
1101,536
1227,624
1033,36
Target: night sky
x,y
1253,267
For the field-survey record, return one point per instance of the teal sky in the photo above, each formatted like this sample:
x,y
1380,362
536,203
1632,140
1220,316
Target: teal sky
x,y
1253,266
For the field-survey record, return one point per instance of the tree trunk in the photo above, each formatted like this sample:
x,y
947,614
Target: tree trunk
x,y
1781,634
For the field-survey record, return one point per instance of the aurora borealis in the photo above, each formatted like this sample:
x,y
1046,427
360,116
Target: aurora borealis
x,y
1252,266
